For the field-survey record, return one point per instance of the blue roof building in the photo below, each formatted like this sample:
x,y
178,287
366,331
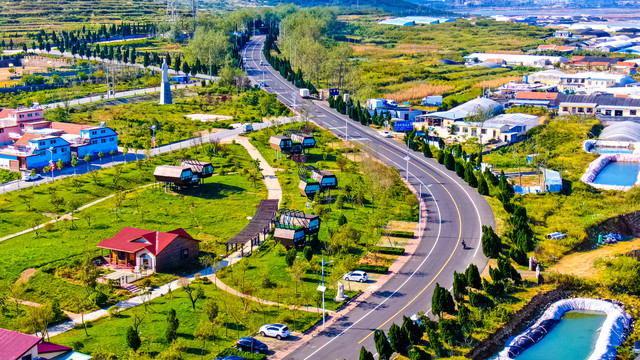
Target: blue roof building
x,y
94,140
552,180
397,22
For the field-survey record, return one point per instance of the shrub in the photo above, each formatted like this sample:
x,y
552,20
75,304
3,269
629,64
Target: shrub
x,y
402,234
246,355
388,250
291,256
113,311
376,269
480,300
418,353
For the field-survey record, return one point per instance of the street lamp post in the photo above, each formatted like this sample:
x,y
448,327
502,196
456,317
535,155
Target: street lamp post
x,y
153,138
322,289
50,150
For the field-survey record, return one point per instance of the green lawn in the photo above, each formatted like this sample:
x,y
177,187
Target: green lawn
x,y
579,206
266,274
233,321
132,121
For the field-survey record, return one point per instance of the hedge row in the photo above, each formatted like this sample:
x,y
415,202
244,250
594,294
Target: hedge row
x,y
243,354
402,234
388,250
373,268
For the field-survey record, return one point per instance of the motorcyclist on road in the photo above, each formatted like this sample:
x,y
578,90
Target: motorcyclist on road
x,y
464,245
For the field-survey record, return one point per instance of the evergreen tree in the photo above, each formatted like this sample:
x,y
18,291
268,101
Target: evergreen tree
x,y
519,256
473,180
436,306
168,59
459,286
441,144
464,319
133,340
489,177
435,343
473,277
382,345
450,331
417,353
426,150
185,68
24,47
491,244
411,330
449,161
479,160
446,301
398,339
460,170
483,188
365,355
505,188
176,64
479,300
441,157
172,326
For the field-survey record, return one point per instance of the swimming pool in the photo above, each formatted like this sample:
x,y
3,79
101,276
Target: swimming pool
x,y
611,150
618,173
574,338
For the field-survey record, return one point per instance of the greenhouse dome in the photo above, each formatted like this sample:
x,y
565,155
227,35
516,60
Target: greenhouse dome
x,y
622,131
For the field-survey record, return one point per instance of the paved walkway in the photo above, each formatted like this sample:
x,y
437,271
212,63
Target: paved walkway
x,y
269,174
232,291
67,215
274,190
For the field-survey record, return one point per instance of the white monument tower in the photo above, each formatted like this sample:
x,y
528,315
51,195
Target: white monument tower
x,y
165,87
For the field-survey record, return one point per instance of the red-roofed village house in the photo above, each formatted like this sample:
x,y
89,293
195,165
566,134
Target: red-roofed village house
x,y
153,250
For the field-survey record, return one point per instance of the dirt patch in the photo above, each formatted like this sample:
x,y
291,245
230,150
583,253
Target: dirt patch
x,y
581,263
522,319
26,275
401,226
378,259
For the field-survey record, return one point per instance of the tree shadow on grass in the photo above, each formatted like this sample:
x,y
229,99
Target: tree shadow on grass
x,y
196,351
212,191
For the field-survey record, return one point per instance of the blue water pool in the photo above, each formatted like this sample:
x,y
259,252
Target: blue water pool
x,y
574,338
613,151
618,173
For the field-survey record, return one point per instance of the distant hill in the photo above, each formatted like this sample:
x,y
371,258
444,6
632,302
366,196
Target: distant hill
x,y
400,7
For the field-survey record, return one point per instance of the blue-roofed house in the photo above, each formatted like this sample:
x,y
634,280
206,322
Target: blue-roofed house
x,y
552,180
397,22
35,151
94,140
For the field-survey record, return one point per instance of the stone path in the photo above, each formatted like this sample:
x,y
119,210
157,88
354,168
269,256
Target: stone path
x,y
269,174
230,290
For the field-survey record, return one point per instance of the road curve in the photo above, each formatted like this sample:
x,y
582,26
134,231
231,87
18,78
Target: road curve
x,y
455,212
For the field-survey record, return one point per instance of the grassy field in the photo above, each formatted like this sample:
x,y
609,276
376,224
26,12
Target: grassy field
x,y
211,213
559,145
401,62
365,207
133,121
234,320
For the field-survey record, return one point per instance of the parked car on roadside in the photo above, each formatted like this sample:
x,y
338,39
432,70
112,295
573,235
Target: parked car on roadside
x,y
357,275
253,345
277,331
29,177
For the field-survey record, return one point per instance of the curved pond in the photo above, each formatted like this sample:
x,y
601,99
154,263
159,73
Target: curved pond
x,y
573,338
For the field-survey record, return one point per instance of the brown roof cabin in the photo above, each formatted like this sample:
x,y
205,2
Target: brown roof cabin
x,y
290,237
326,179
201,168
155,250
179,175
307,141
280,143
309,188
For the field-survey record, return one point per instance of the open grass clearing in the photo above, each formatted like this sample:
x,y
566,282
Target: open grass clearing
x,y
237,318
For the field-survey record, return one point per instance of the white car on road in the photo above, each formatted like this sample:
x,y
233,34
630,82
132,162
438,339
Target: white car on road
x,y
357,275
277,331
384,133
29,177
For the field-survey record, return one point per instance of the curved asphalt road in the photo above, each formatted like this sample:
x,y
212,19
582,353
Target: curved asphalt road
x,y
455,212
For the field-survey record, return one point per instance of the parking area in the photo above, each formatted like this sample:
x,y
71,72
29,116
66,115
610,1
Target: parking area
x,y
276,345
356,286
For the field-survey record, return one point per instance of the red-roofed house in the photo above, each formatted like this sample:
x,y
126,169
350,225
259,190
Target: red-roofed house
x,y
18,346
153,250
48,350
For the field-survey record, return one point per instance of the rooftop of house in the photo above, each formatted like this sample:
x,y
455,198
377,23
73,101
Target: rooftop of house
x,y
14,344
132,240
536,95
